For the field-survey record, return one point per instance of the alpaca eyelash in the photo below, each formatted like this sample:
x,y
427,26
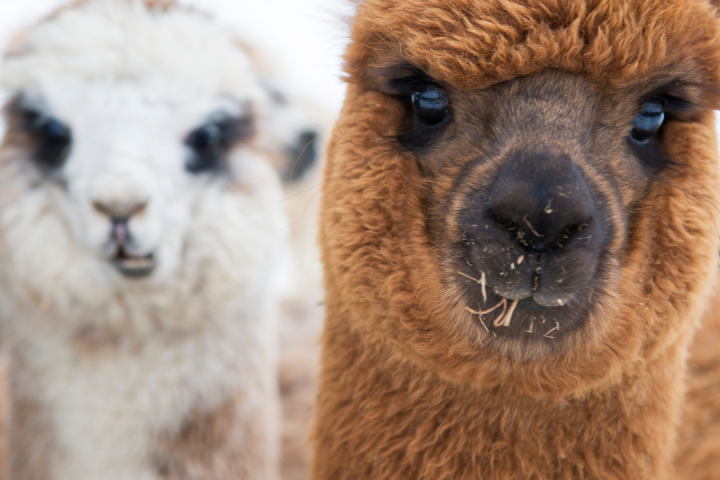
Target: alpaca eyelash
x,y
403,80
405,86
400,78
681,98
675,106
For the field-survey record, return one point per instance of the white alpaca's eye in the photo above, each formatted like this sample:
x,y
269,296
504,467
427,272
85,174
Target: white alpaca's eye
x,y
648,122
50,138
208,144
53,141
206,137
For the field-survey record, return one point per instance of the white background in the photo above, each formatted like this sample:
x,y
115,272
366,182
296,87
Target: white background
x,y
307,37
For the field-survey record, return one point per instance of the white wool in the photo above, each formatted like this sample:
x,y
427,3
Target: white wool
x,y
178,52
131,85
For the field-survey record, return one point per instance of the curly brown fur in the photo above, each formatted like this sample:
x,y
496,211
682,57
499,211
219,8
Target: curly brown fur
x,y
412,385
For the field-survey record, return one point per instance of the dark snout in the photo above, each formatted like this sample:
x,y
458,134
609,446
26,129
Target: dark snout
x,y
543,196
538,235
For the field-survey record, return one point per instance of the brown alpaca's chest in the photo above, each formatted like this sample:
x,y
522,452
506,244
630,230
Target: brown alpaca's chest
x,y
402,423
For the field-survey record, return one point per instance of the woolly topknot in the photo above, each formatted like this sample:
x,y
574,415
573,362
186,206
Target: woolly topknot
x,y
108,42
462,42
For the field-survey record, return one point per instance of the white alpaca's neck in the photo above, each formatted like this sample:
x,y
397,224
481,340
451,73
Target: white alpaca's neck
x,y
106,399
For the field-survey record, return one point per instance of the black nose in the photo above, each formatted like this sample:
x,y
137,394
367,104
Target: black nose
x,y
541,199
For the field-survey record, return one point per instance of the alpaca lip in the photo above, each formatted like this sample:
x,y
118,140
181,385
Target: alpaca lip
x,y
528,295
133,266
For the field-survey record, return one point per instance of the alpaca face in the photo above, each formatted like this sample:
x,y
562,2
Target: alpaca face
x,y
531,186
126,172
292,125
506,191
530,189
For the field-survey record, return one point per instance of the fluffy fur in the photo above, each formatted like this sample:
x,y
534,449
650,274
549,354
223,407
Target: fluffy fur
x,y
300,128
297,129
698,456
302,312
168,376
411,386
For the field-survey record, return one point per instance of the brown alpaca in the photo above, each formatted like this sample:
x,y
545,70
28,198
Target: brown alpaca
x,y
519,230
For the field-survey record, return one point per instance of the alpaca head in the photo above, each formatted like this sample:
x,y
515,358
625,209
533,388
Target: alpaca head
x,y
525,189
295,127
133,163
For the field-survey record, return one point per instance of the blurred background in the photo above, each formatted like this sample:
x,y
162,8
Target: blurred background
x,y
305,38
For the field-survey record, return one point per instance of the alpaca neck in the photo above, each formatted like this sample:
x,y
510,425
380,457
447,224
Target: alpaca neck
x,y
80,402
381,418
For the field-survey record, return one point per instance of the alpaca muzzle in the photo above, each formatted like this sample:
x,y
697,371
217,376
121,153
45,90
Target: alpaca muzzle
x,y
536,235
535,243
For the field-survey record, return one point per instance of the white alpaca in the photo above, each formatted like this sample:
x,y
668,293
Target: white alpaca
x,y
299,130
141,250
296,131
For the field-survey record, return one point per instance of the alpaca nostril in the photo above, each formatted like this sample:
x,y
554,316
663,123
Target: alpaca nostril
x,y
541,200
118,210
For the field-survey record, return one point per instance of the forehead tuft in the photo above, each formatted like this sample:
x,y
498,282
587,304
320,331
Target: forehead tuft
x,y
147,43
472,44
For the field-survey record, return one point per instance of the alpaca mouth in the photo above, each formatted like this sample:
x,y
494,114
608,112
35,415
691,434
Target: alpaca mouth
x,y
131,265
522,293
535,247
526,318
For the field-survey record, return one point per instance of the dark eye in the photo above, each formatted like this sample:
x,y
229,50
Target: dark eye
x,y
53,141
208,147
648,122
430,105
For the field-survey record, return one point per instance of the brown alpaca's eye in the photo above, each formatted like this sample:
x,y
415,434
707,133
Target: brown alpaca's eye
x,y
430,105
648,122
